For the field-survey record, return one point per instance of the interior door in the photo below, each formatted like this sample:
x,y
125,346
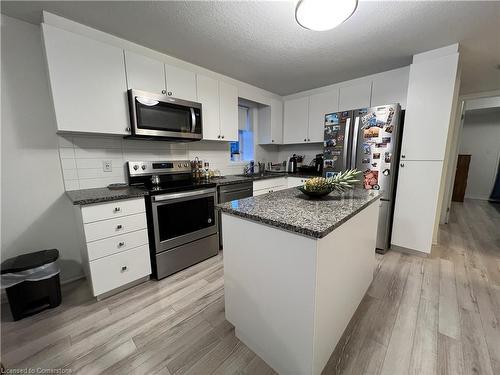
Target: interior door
x,y
460,184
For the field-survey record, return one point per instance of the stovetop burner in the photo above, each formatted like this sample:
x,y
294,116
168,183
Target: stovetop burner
x,y
173,176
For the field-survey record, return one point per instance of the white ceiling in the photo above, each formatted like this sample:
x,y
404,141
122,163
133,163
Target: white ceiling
x,y
260,43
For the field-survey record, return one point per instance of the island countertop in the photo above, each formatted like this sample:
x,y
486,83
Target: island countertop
x,y
293,211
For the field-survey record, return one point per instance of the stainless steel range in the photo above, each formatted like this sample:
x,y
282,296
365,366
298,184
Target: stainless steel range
x,y
182,222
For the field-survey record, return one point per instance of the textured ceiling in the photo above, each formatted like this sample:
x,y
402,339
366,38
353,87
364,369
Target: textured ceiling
x,y
260,43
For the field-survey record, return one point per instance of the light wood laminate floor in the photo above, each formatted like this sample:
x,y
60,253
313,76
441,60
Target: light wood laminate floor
x,y
435,315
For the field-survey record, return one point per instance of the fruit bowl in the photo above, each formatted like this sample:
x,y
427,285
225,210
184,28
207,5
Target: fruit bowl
x,y
315,194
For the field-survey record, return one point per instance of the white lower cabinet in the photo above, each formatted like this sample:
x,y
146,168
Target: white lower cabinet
x,y
416,204
295,181
116,247
261,187
116,270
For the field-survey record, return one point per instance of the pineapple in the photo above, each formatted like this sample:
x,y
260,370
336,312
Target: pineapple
x,y
341,182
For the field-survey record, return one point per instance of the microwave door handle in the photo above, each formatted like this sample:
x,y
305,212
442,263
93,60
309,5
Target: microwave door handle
x,y
193,120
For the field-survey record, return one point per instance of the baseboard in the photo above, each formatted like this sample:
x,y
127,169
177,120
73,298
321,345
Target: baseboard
x,y
405,250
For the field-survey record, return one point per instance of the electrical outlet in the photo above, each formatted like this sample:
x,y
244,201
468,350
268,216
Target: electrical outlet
x,y
107,166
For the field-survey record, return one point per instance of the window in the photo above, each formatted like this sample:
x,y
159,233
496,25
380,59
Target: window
x,y
243,149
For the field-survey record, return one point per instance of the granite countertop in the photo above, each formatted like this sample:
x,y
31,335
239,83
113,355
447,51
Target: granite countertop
x,y
293,211
98,195
234,179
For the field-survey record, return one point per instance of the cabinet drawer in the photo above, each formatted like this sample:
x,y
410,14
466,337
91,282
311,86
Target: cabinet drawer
x,y
110,210
266,184
116,244
112,227
116,270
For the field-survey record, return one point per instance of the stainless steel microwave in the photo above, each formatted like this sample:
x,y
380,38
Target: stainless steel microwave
x,y
157,116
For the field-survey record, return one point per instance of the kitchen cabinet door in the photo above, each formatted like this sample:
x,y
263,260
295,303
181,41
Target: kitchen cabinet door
x,y
228,102
416,204
181,83
271,123
431,94
87,81
295,181
355,96
208,96
144,73
390,87
319,106
296,119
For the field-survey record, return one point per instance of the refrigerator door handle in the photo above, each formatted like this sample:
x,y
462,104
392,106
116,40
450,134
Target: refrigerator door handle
x,y
346,142
354,149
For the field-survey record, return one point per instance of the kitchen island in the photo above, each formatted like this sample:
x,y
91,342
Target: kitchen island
x,y
295,270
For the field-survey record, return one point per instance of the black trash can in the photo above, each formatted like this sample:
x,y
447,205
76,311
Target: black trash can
x,y
31,282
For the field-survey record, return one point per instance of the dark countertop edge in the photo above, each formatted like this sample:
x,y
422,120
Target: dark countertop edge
x,y
294,228
102,199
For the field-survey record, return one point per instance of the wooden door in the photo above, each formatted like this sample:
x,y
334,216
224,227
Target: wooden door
x,y
460,184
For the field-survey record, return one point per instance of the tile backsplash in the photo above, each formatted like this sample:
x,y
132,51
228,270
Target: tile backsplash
x,y
82,157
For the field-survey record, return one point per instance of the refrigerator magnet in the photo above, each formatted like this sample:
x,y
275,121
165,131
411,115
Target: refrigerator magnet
x,y
387,157
367,148
386,139
376,155
386,172
365,160
374,165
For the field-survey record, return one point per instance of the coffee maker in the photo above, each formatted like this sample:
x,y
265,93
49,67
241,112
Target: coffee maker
x,y
292,164
318,163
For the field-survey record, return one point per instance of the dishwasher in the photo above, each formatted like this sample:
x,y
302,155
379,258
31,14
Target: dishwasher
x,y
228,193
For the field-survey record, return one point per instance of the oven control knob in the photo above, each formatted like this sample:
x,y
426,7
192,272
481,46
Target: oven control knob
x,y
143,167
179,165
136,167
186,165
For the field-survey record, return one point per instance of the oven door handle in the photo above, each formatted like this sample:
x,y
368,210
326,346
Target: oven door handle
x,y
167,197
193,120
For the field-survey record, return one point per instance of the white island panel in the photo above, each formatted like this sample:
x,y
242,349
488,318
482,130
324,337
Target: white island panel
x,y
289,296
269,282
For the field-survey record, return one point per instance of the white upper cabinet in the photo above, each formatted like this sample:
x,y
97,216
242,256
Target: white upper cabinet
x,y
181,83
271,123
219,110
355,96
87,81
319,106
208,96
228,104
431,92
390,87
296,120
144,73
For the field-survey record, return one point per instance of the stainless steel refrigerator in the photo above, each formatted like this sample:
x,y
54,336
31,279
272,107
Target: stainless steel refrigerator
x,y
369,140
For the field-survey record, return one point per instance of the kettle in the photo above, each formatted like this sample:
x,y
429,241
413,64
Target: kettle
x,y
292,164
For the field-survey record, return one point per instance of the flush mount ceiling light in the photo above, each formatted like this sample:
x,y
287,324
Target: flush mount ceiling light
x,y
320,15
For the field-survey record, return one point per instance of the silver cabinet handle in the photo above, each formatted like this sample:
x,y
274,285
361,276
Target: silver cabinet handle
x,y
402,165
308,140
117,209
120,244
124,268
128,129
222,137
403,156
305,139
163,91
209,220
169,93
218,136
272,140
119,226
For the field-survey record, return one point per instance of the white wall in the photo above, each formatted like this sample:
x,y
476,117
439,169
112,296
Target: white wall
x,y
481,138
36,214
309,150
